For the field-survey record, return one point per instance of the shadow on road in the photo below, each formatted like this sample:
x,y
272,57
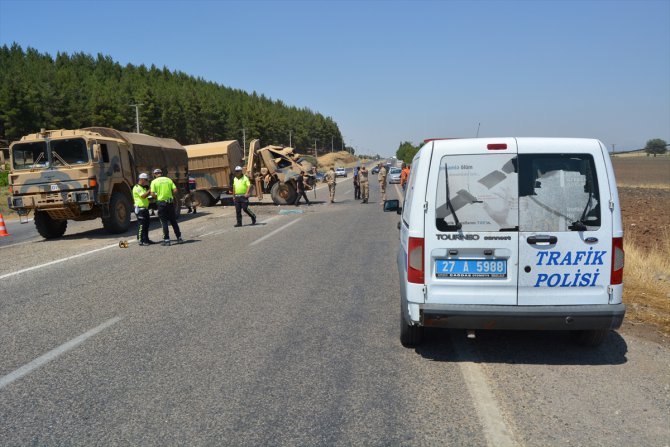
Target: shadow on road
x,y
523,347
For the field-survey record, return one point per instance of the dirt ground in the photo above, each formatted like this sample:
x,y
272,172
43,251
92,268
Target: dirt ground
x,y
646,214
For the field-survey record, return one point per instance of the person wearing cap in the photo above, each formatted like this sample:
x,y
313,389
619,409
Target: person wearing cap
x,y
241,188
164,189
190,199
300,189
381,176
141,194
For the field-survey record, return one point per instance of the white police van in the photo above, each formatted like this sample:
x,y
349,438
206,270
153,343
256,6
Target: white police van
x,y
511,233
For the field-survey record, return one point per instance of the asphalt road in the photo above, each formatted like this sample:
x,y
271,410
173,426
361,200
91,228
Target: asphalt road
x,y
286,333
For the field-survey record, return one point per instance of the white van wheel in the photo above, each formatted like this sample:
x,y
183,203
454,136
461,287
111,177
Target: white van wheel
x,y
590,338
410,335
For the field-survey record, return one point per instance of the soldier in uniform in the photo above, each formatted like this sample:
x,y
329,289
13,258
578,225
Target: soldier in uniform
x,y
164,189
190,199
381,176
365,185
141,194
357,184
331,178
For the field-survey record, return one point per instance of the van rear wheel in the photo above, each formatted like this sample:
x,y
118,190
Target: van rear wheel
x,y
410,335
593,337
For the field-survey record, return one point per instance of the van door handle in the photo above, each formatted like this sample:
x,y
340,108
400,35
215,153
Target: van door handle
x,y
534,240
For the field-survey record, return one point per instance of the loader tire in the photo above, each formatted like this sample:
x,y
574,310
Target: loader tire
x,y
119,214
283,194
47,227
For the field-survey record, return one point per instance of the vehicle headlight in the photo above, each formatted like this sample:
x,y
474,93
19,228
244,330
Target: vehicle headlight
x,y
82,197
17,202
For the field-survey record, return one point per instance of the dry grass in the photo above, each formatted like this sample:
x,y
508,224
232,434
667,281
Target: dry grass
x,y
647,282
646,186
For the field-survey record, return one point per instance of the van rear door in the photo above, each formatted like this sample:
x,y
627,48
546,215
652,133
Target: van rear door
x,y
471,223
565,222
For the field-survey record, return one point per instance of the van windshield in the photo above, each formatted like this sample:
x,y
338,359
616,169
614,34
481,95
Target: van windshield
x,y
557,190
531,192
482,192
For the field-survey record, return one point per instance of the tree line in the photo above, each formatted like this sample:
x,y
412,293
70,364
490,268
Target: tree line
x,y
79,90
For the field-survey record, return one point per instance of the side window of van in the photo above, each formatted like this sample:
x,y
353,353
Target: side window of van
x,y
482,192
557,190
409,192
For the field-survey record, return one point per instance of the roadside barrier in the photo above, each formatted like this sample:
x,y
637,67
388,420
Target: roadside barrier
x,y
3,228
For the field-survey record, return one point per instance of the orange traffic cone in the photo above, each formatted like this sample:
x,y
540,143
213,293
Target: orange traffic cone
x,y
3,228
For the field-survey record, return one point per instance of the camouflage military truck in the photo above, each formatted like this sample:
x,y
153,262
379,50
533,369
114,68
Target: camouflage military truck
x,y
274,170
211,165
86,174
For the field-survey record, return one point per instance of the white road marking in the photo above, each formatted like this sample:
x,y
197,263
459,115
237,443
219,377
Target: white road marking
x,y
58,261
49,356
258,241
497,433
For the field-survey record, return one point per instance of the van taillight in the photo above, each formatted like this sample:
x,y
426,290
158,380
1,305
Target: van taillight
x,y
415,260
496,146
617,261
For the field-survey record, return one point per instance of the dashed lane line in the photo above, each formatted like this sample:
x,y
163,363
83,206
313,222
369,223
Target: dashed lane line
x,y
54,353
272,233
58,261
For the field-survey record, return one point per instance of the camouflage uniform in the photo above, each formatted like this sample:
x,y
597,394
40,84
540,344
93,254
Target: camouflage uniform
x,y
382,183
365,185
331,178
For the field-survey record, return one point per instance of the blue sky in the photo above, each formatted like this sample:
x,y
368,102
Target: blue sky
x,y
389,71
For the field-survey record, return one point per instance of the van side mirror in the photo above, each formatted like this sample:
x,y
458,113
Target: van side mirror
x,y
392,205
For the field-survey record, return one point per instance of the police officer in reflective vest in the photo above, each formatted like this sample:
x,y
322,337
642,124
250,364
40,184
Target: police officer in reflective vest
x,y
164,189
241,187
141,194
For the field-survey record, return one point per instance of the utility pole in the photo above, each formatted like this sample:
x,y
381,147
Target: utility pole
x,y
331,144
613,148
316,154
137,115
479,124
244,142
290,133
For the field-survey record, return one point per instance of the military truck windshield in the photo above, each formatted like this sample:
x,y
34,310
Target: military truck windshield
x,y
69,152
30,155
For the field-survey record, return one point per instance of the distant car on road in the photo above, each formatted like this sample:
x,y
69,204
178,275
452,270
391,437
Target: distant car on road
x,y
394,175
320,176
375,170
340,172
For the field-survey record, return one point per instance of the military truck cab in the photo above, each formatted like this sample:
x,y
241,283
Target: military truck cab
x,y
86,174
511,233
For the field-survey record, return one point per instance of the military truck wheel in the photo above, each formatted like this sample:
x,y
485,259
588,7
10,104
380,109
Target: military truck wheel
x,y
283,193
47,227
119,214
204,198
